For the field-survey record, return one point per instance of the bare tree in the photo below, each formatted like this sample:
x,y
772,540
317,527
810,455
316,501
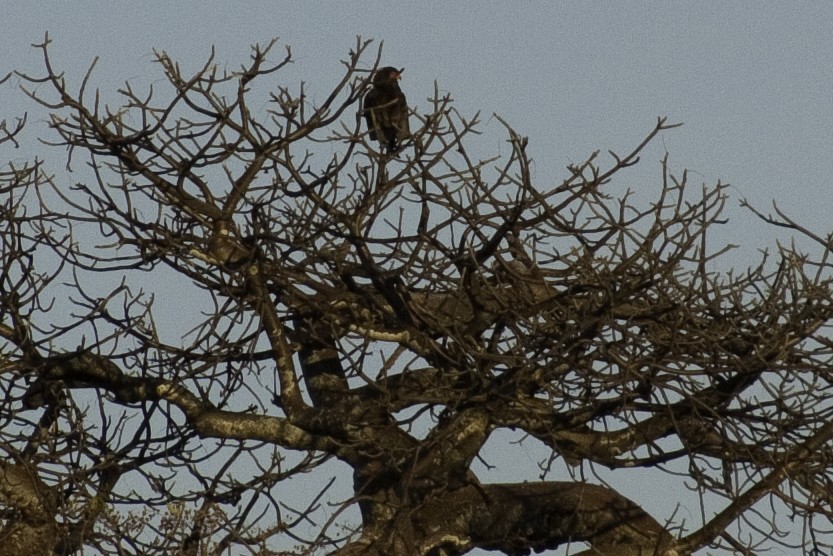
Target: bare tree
x,y
340,309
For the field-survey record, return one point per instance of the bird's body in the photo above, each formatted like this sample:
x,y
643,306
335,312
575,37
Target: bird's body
x,y
386,110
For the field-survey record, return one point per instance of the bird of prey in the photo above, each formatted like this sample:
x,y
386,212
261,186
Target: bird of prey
x,y
386,110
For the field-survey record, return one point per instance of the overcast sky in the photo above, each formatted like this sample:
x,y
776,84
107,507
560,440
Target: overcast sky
x,y
752,81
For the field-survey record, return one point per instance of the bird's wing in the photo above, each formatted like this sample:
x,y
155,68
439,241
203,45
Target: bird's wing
x,y
401,117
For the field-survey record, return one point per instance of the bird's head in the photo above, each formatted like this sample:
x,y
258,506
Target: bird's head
x,y
388,74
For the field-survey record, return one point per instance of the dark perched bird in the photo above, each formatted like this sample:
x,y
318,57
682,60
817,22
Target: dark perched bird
x,y
386,110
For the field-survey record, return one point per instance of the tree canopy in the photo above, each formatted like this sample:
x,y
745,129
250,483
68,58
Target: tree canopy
x,y
352,325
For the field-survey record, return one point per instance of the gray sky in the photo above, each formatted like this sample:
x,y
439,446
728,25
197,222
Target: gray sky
x,y
751,80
